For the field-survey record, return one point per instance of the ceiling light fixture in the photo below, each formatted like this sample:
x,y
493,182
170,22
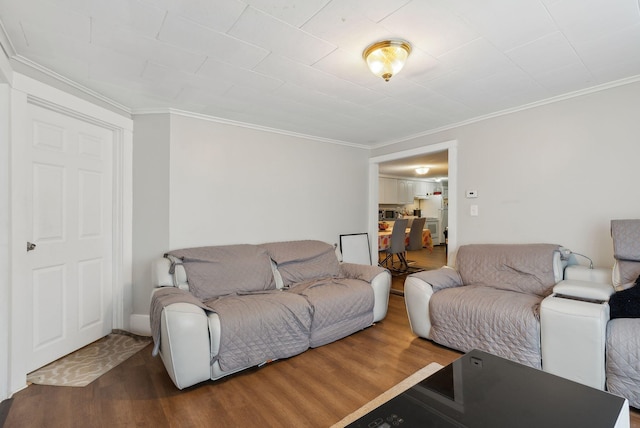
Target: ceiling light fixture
x,y
386,58
422,170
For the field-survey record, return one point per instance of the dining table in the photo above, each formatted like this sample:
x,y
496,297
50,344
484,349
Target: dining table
x,y
384,239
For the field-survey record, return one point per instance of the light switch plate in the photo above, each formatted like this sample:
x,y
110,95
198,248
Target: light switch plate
x,y
474,210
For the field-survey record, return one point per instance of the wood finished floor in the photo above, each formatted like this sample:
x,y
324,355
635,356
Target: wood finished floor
x,y
424,259
313,389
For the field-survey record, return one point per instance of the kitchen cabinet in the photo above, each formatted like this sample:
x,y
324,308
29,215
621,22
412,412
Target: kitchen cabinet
x,y
423,188
394,191
409,192
387,190
405,192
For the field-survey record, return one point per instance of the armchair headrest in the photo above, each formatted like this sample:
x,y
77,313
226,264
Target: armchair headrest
x,y
626,239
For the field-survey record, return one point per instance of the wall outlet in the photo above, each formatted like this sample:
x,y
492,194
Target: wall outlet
x,y
472,193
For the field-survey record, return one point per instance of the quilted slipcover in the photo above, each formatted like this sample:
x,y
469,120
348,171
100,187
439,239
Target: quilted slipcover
x,y
341,307
497,321
220,270
322,301
260,327
497,307
623,359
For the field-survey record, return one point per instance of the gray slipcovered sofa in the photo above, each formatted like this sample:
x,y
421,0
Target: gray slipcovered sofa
x,y
218,310
490,301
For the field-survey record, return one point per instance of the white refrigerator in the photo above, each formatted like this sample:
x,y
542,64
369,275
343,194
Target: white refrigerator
x,y
436,213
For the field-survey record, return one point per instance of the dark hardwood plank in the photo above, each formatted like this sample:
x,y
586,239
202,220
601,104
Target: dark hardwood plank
x,y
314,389
5,405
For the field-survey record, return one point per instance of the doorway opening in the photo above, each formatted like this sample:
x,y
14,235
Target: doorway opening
x,y
430,195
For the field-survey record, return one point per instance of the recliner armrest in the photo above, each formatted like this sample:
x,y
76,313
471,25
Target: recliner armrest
x,y
586,290
418,289
584,273
445,277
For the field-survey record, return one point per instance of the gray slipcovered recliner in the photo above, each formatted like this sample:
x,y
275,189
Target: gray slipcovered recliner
x,y
623,333
490,301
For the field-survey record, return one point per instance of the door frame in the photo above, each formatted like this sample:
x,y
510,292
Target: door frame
x,y
452,148
27,91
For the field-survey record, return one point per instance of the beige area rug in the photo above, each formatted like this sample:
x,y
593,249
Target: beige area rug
x,y
89,363
389,394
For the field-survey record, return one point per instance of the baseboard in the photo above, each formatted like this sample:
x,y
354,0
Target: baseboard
x,y
140,324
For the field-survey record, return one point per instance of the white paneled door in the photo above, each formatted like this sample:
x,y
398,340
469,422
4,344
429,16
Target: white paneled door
x,y
69,212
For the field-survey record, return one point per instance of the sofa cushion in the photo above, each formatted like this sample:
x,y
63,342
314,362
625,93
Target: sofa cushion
x,y
524,268
496,321
258,327
227,269
301,261
341,306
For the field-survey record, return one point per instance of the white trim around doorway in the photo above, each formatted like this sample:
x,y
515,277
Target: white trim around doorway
x,y
452,148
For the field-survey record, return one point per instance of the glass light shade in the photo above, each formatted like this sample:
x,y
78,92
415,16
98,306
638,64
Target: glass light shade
x,y
387,58
422,170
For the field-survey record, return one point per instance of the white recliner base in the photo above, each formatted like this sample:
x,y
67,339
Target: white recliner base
x,y
573,330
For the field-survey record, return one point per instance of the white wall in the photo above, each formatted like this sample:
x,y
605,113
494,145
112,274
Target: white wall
x,y
150,201
555,173
229,185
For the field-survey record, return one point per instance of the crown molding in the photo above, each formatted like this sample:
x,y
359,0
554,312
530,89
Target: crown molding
x,y
71,83
247,125
563,97
5,42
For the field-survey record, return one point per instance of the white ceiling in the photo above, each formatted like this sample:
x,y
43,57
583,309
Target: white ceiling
x,y
296,65
437,162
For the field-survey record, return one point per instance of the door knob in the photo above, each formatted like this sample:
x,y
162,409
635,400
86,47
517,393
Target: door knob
x,y
31,246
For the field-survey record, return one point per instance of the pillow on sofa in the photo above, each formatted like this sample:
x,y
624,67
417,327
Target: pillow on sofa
x,y
227,269
300,261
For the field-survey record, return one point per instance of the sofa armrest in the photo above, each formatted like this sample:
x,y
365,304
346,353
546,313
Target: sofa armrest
x,y
184,344
418,289
359,271
380,280
417,294
381,285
